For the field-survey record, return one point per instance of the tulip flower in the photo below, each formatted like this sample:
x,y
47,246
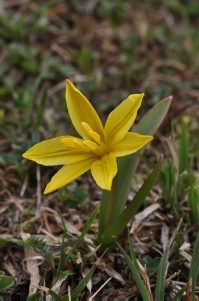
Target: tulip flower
x,y
99,146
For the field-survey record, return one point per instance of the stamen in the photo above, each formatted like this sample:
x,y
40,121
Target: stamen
x,y
90,144
81,145
86,127
90,133
95,136
68,142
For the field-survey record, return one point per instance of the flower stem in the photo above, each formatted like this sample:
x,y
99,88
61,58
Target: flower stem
x,y
106,208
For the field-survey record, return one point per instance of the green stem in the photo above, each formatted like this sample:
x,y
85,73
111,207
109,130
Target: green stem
x,y
110,205
106,208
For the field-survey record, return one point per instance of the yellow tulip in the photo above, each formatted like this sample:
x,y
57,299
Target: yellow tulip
x,y
99,146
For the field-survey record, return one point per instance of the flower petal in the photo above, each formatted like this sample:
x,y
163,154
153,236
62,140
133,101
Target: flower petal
x,y
81,110
54,152
121,118
104,170
67,174
130,144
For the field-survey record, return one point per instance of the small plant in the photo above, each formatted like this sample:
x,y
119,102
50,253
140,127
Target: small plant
x,y
193,204
177,177
141,278
98,150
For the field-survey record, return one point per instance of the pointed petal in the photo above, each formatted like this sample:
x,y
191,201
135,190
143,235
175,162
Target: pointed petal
x,y
121,118
81,110
130,144
54,152
67,174
104,170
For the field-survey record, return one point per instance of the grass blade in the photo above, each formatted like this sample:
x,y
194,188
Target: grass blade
x,y
118,226
34,297
88,223
5,281
132,264
194,269
81,286
184,150
193,204
162,269
179,295
55,296
132,253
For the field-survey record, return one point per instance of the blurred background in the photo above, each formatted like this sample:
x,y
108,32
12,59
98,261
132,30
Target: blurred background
x,y
108,49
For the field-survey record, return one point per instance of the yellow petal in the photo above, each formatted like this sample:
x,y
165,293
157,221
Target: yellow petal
x,y
121,118
80,110
130,144
54,152
104,170
67,174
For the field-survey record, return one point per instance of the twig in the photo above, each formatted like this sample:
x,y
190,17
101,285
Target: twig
x,y
69,294
101,287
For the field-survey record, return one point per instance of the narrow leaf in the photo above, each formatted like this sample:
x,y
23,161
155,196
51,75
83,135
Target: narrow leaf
x,y
162,269
132,253
154,117
179,295
55,296
184,150
34,297
5,281
194,269
81,286
135,271
120,223
88,223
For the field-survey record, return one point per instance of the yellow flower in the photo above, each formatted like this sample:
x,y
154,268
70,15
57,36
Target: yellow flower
x,y
99,146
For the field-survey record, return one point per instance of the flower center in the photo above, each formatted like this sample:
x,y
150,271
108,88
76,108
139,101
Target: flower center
x,y
90,143
94,143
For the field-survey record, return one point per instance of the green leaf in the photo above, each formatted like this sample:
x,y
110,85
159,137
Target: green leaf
x,y
81,286
88,223
132,252
5,281
179,295
154,117
194,268
120,223
55,296
184,150
162,269
127,165
133,266
193,204
34,297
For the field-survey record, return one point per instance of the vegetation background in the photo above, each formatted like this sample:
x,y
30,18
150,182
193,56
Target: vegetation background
x,y
108,49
